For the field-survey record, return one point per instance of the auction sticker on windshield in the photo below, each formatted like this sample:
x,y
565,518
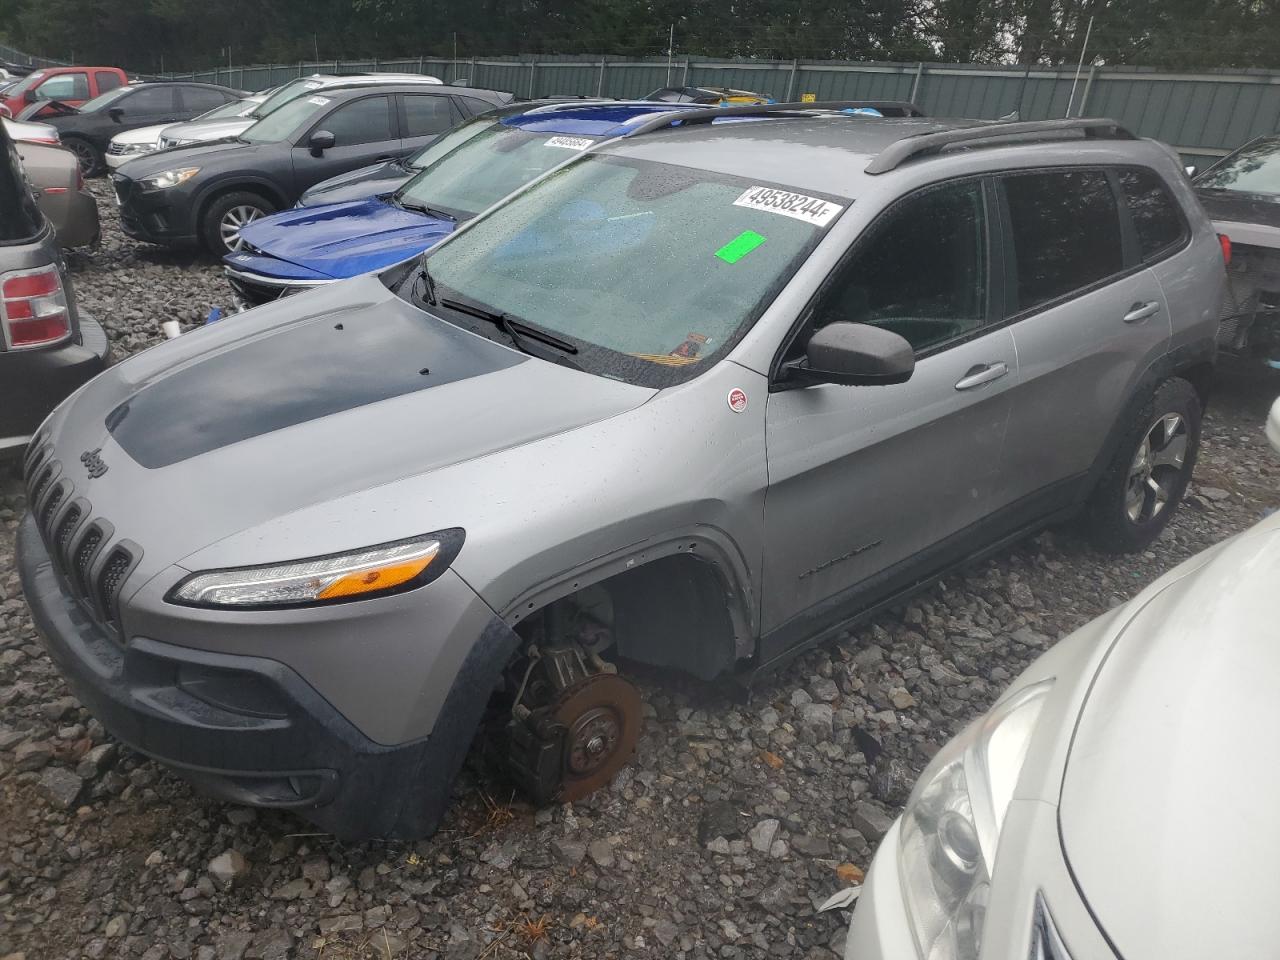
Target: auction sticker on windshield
x,y
570,143
798,206
319,101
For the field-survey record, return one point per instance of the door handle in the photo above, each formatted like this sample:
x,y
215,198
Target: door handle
x,y
1141,311
983,373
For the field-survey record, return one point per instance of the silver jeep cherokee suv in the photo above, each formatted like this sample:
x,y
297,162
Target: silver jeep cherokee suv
x,y
694,399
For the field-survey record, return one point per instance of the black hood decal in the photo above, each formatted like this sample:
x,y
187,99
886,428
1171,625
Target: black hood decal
x,y
303,372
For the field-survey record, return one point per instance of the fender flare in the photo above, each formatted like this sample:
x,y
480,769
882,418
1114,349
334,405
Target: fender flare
x,y
1172,364
703,542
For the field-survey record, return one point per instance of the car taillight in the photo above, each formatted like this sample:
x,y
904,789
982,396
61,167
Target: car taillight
x,y
33,308
1226,248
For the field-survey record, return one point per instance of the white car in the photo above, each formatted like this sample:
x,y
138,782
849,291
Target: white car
x,y
228,120
1116,801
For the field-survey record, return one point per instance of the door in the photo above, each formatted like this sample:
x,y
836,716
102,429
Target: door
x,y
865,479
362,132
425,117
69,88
1088,320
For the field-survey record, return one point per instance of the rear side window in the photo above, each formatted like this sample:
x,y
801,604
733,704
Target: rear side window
x,y
147,100
20,221
107,81
1156,217
364,121
201,99
921,271
426,116
1066,233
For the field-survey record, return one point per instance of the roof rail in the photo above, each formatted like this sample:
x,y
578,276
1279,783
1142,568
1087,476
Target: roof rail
x,y
899,152
678,117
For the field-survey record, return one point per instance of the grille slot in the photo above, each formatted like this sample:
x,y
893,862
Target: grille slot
x,y
58,494
66,529
83,559
117,567
38,488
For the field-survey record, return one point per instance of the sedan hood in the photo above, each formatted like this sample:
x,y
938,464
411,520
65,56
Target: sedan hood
x,y
342,239
1166,814
1233,207
324,394
149,134
370,181
207,130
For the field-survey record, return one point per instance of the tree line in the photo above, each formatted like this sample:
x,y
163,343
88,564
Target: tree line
x,y
151,35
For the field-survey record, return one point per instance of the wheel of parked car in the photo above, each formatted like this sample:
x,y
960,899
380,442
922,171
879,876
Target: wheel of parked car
x,y
223,220
88,156
1148,474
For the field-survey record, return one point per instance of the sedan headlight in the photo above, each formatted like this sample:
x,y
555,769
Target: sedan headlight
x,y
387,568
131,148
951,826
170,178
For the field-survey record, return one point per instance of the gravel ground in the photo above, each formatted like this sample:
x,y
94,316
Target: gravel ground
x,y
735,820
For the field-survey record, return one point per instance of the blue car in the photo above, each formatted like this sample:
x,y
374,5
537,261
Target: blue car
x,y
467,170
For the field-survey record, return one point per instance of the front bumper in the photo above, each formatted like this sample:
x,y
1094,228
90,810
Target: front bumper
x,y
253,289
33,382
250,729
155,216
117,160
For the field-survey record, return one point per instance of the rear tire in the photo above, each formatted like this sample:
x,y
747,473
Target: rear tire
x,y
223,218
87,155
1149,472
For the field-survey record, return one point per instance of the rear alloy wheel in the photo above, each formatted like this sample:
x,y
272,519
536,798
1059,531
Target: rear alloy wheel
x,y
86,155
1150,471
228,215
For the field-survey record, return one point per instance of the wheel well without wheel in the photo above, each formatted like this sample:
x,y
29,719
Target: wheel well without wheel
x,y
673,611
1200,376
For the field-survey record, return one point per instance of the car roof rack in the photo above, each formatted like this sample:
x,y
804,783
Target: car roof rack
x,y
1026,131
678,117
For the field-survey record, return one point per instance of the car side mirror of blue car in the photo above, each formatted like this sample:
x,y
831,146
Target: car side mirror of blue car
x,y
854,355
321,141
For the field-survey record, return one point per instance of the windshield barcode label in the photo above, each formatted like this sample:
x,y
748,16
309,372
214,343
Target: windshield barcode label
x,y
319,101
570,143
813,210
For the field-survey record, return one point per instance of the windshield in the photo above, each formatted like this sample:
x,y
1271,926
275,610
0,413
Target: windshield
x,y
653,270
283,123
228,111
286,93
487,168
102,99
25,84
1254,168
449,142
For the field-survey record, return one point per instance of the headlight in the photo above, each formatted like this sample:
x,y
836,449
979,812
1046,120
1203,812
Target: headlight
x,y
951,826
343,576
139,148
170,178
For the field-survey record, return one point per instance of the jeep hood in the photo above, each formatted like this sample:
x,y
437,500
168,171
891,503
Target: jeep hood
x,y
312,398
1166,815
360,184
343,239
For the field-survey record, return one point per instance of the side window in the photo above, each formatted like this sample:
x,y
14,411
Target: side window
x,y
201,100
1066,233
475,106
1156,216
150,100
363,121
920,271
65,86
426,115
106,80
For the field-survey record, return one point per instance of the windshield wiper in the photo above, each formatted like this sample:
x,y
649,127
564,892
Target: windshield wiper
x,y
519,332
404,204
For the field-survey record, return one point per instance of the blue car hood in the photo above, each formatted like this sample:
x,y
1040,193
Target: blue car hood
x,y
340,240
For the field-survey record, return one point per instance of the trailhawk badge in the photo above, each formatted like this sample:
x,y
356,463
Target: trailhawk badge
x,y
737,400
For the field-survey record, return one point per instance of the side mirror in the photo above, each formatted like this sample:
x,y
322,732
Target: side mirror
x,y
1192,170
854,355
116,113
321,141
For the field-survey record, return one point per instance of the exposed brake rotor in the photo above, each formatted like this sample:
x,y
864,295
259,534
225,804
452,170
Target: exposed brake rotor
x,y
601,717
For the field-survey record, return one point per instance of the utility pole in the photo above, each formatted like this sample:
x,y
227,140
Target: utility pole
x,y
315,40
1080,66
671,42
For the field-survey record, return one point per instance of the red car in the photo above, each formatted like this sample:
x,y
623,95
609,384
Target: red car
x,y
69,85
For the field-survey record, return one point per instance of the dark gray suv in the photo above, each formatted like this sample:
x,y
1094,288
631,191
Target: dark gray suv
x,y
694,399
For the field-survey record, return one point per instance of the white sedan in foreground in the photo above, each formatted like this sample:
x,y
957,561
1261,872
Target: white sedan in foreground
x,y
1117,801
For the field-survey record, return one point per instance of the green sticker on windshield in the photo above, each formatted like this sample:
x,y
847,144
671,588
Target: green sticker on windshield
x,y
739,246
